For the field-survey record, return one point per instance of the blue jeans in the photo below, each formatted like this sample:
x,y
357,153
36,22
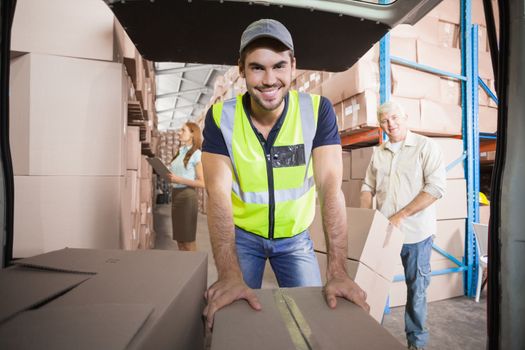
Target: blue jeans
x,y
292,259
416,262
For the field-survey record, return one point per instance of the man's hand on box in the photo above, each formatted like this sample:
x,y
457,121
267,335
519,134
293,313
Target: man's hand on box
x,y
344,287
224,292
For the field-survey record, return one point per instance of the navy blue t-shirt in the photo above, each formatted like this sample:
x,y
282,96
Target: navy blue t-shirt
x,y
326,133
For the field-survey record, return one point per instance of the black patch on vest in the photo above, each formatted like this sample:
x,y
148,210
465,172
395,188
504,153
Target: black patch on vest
x,y
287,156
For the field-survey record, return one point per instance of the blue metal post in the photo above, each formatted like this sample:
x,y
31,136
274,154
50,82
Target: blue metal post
x,y
385,85
474,214
468,134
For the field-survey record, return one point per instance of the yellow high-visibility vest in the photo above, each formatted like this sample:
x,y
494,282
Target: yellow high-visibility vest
x,y
273,195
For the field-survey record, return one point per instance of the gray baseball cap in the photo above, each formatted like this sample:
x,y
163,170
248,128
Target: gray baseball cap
x,y
266,28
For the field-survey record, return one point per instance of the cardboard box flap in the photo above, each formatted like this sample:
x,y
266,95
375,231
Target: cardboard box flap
x,y
239,327
29,288
74,260
75,327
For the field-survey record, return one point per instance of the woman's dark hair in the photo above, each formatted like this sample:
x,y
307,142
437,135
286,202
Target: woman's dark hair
x,y
197,142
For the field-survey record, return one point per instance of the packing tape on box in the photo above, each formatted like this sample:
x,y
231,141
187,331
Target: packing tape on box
x,y
297,326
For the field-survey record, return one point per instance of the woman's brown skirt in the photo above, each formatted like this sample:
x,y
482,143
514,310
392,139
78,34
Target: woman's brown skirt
x,y
184,214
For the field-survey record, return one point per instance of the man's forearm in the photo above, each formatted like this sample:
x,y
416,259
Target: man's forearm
x,y
420,202
334,225
366,199
222,236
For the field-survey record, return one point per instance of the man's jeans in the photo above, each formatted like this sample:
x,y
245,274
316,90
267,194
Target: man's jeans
x,y
416,261
292,259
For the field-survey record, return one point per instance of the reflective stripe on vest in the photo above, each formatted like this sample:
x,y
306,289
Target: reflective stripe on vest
x,y
309,128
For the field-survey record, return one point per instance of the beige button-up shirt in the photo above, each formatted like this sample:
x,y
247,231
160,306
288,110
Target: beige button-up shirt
x,y
397,177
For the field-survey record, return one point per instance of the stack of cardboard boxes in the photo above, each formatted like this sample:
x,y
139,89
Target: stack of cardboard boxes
x,y
69,113
227,86
432,103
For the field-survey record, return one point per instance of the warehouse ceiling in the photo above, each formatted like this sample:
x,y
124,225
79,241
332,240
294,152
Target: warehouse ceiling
x,y
329,35
183,91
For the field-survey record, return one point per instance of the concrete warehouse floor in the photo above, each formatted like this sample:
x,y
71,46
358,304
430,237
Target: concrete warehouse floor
x,y
458,323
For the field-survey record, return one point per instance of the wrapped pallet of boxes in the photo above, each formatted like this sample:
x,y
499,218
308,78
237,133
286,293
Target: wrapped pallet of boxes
x,y
288,315
104,299
373,248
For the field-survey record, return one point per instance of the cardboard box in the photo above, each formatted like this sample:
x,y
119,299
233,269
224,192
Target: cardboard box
x,y
362,76
439,118
82,29
404,48
360,110
347,165
53,212
488,119
450,236
237,326
67,116
450,92
371,239
441,286
485,70
449,34
128,209
352,192
133,148
453,205
376,287
452,150
484,214
412,110
412,83
427,29
447,10
444,58
360,160
124,46
96,299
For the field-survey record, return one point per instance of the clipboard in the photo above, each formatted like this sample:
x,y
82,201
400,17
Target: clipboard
x,y
159,167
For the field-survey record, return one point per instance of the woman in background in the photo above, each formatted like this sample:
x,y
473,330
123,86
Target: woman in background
x,y
186,175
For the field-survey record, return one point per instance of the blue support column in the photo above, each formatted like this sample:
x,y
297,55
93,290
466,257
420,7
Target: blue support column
x,y
385,84
468,135
474,214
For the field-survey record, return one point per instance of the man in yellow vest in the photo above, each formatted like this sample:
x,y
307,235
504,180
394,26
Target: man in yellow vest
x,y
264,155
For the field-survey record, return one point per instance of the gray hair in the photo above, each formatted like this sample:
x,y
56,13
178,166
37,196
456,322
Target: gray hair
x,y
389,108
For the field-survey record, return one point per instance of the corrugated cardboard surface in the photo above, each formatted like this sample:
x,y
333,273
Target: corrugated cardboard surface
x,y
169,283
81,29
347,159
352,192
53,212
440,118
438,57
412,83
452,150
68,114
453,205
360,160
363,75
347,326
80,327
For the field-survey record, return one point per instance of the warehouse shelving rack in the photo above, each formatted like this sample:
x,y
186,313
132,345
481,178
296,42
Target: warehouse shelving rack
x,y
470,83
